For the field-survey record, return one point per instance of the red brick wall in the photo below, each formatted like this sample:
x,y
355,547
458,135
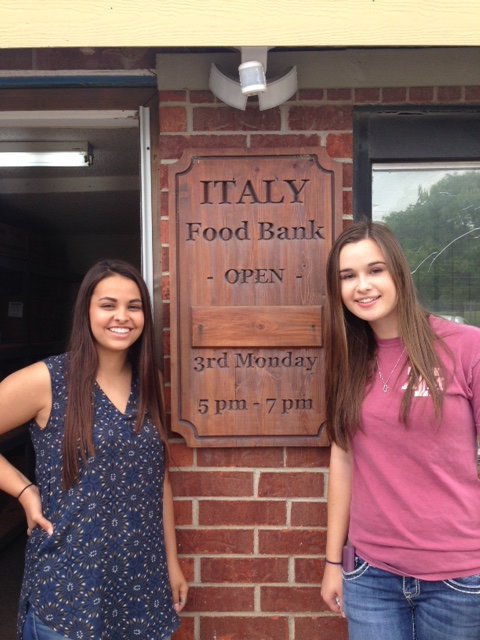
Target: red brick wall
x,y
252,522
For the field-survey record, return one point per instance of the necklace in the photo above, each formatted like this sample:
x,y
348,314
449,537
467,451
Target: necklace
x,y
385,386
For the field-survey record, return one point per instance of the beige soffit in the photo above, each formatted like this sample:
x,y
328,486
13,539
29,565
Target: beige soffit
x,y
334,68
207,23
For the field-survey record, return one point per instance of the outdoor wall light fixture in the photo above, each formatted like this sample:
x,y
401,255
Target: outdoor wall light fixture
x,y
252,81
252,78
45,154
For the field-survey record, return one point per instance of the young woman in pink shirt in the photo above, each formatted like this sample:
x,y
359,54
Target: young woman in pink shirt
x,y
403,415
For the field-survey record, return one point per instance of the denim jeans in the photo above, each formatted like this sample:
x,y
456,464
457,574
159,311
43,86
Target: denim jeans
x,y
34,629
383,606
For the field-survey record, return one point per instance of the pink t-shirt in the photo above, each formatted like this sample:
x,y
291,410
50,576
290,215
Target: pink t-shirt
x,y
416,493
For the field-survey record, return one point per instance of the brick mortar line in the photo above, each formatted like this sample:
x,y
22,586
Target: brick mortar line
x,y
255,469
195,512
291,627
335,102
284,111
264,556
251,498
189,119
291,570
261,614
288,515
256,543
253,585
197,569
257,599
253,527
313,502
256,482
259,132
261,527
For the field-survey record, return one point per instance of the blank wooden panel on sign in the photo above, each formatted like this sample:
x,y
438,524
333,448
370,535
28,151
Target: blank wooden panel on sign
x,y
295,326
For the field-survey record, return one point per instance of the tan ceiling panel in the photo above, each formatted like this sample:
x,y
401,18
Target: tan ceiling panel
x,y
200,23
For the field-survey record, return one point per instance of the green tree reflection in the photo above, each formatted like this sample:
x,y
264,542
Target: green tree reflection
x,y
440,236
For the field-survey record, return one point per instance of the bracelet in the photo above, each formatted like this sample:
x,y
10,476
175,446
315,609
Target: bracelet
x,y
330,562
24,489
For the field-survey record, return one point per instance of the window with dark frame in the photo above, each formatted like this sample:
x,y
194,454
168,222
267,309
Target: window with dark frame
x,y
418,170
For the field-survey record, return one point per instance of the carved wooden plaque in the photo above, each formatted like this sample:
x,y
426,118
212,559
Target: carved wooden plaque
x,y
250,234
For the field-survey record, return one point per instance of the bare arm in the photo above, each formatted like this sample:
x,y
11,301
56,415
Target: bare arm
x,y
339,497
178,583
24,395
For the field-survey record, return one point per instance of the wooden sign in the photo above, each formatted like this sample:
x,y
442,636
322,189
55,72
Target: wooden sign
x,y
250,234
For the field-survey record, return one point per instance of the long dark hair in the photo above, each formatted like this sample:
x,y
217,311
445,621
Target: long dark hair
x,y
350,345
82,366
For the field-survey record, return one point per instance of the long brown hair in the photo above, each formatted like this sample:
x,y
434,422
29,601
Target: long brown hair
x,y
350,345
82,366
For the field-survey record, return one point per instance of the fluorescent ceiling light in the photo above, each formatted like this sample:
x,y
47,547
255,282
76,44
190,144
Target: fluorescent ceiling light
x,y
45,154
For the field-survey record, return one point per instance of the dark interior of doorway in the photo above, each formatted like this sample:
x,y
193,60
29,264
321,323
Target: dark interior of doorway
x,y
54,224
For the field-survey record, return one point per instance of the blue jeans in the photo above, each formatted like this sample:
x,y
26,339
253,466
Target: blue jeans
x,y
383,606
34,629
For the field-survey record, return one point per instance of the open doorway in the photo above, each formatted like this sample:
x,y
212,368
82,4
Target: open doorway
x,y
55,222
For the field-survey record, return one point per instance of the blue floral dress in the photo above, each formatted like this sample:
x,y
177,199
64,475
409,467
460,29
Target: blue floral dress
x,y
102,574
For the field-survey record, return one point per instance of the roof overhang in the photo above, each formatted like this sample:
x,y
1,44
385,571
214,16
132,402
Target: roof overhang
x,y
279,23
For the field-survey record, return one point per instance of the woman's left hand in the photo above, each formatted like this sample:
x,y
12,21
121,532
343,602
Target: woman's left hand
x,y
179,587
32,505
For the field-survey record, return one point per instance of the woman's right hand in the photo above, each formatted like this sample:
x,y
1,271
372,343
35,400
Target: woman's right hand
x,y
25,395
332,588
32,505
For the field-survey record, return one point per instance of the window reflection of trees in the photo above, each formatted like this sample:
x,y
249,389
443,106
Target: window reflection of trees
x,y
440,236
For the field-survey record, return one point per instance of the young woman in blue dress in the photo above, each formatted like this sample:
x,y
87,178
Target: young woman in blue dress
x,y
101,557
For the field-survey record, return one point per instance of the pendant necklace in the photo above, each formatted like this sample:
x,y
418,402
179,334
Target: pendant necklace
x,y
385,386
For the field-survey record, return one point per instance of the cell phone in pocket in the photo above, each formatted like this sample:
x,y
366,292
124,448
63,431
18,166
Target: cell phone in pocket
x,y
348,558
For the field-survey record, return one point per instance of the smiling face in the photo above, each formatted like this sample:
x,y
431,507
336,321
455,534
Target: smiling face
x,y
116,313
367,288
